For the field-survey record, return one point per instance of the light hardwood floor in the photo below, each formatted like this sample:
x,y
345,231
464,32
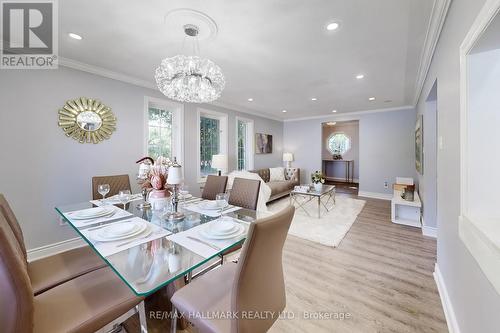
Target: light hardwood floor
x,y
381,275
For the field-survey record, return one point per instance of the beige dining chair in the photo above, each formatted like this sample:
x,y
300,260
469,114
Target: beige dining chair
x,y
254,284
213,186
116,184
85,304
48,272
245,193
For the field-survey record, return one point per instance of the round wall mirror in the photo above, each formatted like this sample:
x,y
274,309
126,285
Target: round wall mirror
x,y
89,121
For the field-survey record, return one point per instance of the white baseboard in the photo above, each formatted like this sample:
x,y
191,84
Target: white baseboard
x,y
342,179
449,313
429,231
51,249
375,195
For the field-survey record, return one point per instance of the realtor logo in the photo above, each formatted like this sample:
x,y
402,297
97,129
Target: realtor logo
x,y
29,34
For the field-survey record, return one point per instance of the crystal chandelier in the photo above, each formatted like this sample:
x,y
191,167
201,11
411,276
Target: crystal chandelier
x,y
190,78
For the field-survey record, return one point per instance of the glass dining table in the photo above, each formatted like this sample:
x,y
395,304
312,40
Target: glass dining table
x,y
152,265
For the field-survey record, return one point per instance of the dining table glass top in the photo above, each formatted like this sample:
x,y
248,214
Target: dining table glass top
x,y
151,265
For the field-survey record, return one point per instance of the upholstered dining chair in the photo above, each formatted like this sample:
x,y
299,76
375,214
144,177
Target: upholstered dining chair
x,y
84,304
254,284
213,186
116,184
51,271
245,193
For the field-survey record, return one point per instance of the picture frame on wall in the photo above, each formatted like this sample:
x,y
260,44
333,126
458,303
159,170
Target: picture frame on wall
x,y
419,145
263,143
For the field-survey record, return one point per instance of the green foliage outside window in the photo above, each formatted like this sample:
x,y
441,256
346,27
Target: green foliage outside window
x,y
209,144
159,133
242,137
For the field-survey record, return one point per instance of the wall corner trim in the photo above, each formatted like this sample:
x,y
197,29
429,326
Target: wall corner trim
x,y
375,195
55,248
436,22
449,313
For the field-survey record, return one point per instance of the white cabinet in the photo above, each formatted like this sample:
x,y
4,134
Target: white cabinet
x,y
406,212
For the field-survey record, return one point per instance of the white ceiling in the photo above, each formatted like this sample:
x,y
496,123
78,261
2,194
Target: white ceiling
x,y
276,52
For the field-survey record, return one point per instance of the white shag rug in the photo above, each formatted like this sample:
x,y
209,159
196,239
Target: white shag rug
x,y
331,228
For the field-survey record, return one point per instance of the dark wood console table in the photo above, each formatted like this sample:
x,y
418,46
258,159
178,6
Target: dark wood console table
x,y
349,169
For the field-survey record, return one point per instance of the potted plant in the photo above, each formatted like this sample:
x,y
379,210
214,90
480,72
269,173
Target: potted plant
x,y
318,180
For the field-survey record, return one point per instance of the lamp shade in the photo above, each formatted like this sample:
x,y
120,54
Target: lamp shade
x,y
174,175
287,157
219,161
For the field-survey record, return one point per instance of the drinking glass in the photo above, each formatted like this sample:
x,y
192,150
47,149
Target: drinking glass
x,y
221,200
103,189
124,197
184,191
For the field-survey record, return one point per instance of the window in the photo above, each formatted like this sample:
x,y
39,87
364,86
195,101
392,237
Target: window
x,y
244,144
212,140
338,143
163,129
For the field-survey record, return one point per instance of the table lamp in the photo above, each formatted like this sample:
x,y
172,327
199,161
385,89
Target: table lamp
x,y
219,162
288,158
175,179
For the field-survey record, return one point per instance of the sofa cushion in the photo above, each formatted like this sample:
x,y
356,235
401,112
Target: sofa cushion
x,y
280,186
263,173
276,174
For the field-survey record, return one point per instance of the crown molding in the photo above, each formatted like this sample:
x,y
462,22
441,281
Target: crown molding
x,y
351,115
436,22
242,109
74,64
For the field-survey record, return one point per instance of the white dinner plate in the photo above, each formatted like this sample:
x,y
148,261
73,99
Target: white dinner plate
x,y
97,236
204,232
120,229
185,196
92,213
221,228
208,205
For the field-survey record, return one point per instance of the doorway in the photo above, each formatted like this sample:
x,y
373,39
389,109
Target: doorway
x,y
340,155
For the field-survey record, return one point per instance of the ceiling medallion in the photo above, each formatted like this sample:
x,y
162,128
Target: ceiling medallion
x,y
87,120
190,78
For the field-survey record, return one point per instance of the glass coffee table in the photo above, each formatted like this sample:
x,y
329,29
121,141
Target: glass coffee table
x,y
325,197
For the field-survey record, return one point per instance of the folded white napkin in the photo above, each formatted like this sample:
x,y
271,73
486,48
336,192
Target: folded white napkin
x,y
108,248
117,214
203,250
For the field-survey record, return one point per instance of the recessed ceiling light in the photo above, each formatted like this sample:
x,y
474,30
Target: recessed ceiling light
x,y
371,98
331,123
332,26
334,111
75,36
314,99
284,111
250,99
359,76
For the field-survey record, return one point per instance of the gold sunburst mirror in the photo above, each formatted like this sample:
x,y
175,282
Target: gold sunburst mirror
x,y
87,120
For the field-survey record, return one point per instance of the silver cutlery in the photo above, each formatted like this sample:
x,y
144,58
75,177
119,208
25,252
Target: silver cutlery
x,y
135,239
203,242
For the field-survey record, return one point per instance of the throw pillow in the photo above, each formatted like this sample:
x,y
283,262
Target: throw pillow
x,y
276,174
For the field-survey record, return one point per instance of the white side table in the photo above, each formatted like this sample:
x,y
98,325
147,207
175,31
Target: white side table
x,y
406,212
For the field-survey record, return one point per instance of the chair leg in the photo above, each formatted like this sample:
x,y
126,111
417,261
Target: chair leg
x,y
173,321
142,317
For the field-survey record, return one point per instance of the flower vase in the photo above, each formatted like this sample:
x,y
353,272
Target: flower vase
x,y
318,187
158,199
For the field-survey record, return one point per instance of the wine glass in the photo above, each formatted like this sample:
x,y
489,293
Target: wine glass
x,y
103,189
184,191
124,197
221,201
